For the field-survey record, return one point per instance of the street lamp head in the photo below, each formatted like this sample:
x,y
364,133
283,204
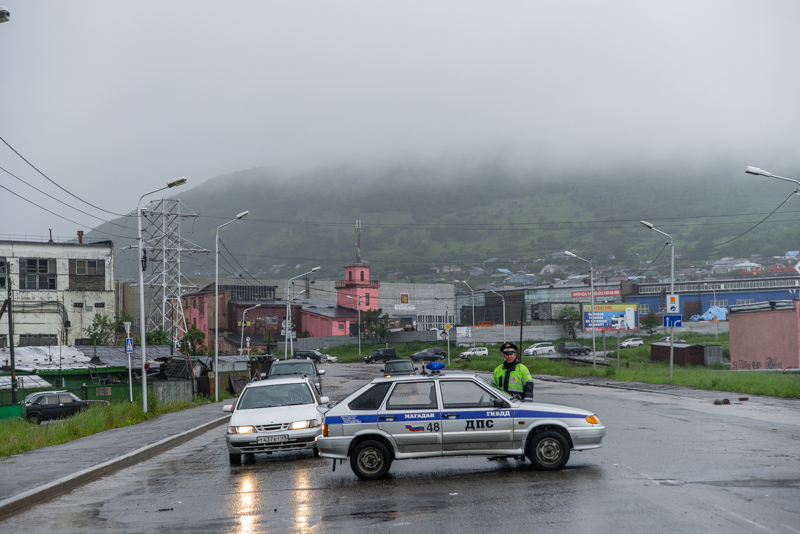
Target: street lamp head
x,y
175,182
257,306
570,254
5,15
243,214
756,170
646,224
316,269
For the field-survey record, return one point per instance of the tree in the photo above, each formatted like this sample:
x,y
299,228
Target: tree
x,y
375,322
159,336
101,331
650,323
570,319
193,342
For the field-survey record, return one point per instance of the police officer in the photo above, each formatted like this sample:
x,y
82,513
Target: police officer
x,y
511,376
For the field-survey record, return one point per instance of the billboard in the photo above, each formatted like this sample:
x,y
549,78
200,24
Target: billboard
x,y
597,293
612,316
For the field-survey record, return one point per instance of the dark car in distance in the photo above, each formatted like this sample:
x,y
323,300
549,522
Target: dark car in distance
x,y
379,355
285,368
573,347
429,355
49,405
399,367
315,355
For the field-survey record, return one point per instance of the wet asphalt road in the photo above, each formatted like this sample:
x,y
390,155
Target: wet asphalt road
x,y
671,463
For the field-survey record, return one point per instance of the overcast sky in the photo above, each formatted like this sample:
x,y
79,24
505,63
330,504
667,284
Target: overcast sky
x,y
111,99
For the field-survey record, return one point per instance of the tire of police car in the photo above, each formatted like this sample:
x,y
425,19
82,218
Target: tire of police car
x,y
548,451
370,460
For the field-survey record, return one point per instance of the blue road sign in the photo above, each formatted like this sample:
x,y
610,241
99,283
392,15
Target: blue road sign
x,y
672,320
128,345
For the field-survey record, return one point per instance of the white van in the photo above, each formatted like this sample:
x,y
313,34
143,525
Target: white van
x,y
474,351
539,348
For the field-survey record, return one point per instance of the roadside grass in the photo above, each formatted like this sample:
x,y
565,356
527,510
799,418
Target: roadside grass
x,y
634,365
18,436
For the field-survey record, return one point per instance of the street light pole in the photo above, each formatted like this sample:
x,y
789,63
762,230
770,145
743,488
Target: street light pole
x,y
289,324
358,305
591,289
716,333
671,243
216,304
175,182
504,312
241,343
473,309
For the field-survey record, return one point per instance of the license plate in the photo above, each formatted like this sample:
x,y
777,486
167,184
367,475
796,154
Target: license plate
x,y
273,439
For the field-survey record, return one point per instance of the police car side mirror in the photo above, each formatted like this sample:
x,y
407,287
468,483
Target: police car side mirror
x,y
500,403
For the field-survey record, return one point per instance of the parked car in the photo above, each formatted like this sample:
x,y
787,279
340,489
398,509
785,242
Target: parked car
x,y
429,355
327,358
455,414
49,405
377,355
399,367
675,342
274,415
474,351
573,347
539,348
632,342
315,355
283,368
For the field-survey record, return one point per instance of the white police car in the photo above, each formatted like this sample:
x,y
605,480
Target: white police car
x,y
433,415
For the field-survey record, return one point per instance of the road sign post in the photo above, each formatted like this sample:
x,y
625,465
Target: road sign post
x,y
129,350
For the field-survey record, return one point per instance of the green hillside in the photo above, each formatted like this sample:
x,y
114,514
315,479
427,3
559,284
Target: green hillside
x,y
415,217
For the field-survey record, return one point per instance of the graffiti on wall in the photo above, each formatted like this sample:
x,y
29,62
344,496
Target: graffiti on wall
x,y
771,363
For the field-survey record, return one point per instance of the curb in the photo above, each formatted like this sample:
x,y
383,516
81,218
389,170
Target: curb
x,y
53,489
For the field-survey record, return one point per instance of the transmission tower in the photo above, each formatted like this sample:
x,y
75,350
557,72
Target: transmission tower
x,y
164,249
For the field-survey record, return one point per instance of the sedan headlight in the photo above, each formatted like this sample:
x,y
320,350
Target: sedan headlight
x,y
300,425
241,429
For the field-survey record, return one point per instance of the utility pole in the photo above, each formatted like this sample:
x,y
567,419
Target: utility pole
x,y
7,305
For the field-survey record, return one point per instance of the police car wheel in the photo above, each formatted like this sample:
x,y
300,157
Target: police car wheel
x,y
548,451
370,460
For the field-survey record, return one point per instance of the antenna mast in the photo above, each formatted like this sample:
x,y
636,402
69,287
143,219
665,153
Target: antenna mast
x,y
358,242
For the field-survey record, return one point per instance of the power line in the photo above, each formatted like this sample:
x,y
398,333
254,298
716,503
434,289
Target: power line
x,y
56,184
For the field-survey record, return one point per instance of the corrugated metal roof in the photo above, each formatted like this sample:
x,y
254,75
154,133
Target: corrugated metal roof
x,y
25,381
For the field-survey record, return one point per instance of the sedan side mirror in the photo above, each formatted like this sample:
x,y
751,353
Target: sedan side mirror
x,y
228,408
321,372
324,400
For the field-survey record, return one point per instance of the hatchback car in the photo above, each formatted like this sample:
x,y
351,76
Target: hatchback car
x,y
632,342
539,348
399,367
427,416
283,368
274,415
572,347
315,355
676,340
49,405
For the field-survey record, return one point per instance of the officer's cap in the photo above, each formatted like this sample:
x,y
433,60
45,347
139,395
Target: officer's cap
x,y
507,348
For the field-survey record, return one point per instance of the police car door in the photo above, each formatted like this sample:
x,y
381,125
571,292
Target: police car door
x,y
411,416
470,421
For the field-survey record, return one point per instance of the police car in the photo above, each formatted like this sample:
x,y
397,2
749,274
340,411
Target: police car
x,y
435,415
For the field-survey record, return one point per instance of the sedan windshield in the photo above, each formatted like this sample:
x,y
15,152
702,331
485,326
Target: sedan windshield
x,y
275,396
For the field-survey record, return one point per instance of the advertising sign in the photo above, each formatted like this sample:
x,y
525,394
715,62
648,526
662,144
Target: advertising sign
x,y
597,293
463,331
611,317
403,298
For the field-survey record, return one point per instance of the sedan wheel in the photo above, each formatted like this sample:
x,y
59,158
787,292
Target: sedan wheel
x,y
548,451
34,419
550,351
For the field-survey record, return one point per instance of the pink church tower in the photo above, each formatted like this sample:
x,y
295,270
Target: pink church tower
x,y
357,287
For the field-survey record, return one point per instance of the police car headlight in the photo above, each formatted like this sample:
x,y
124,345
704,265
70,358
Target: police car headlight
x,y
300,425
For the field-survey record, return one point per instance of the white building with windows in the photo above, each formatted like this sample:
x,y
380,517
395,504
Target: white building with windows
x,y
57,289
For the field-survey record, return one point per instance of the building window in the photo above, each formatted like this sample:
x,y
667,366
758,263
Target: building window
x,y
745,301
351,276
719,303
87,267
362,276
37,274
644,309
366,299
2,273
